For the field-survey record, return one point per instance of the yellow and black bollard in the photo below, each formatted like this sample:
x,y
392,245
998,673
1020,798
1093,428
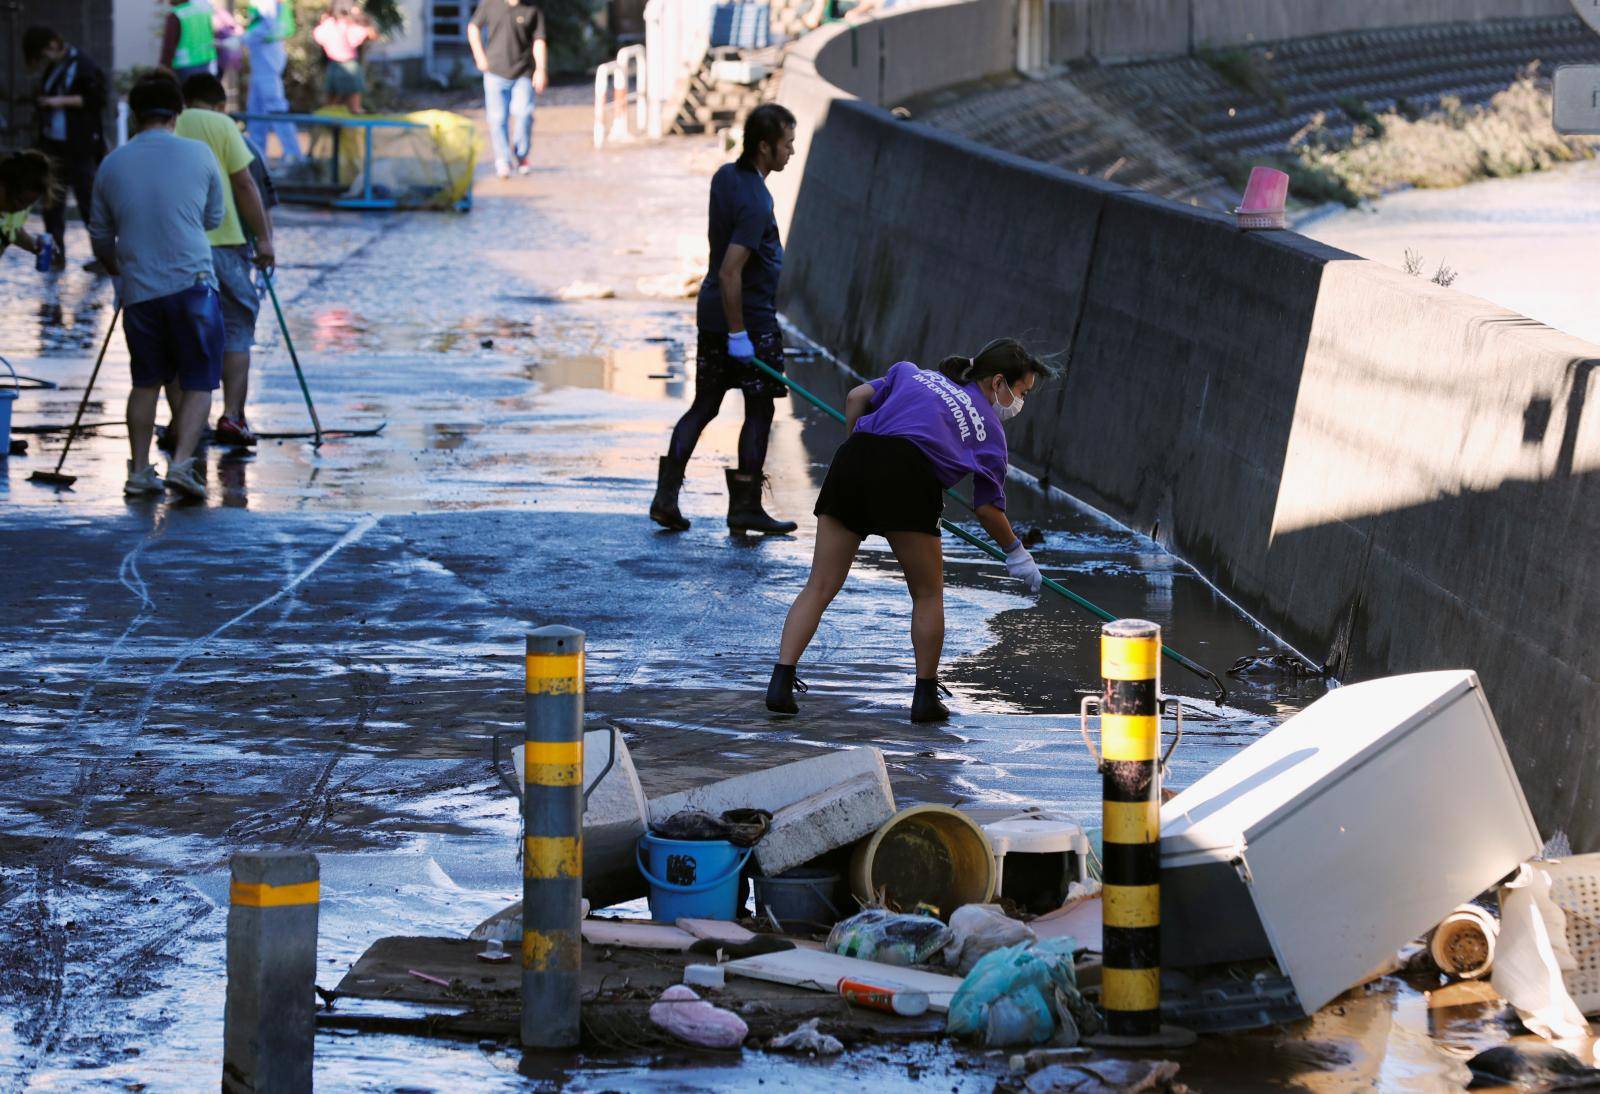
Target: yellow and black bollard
x,y
552,851
1130,766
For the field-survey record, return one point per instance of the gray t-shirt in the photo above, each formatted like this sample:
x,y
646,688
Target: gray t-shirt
x,y
155,198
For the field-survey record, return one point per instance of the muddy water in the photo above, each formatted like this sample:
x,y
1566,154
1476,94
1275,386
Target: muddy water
x,y
1526,243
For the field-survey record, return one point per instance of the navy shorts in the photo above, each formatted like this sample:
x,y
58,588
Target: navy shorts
x,y
715,370
178,336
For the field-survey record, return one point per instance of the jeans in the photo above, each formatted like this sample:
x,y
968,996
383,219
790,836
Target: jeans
x,y
266,96
513,98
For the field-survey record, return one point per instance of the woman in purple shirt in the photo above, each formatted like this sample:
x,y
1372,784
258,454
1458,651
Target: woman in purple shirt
x,y
913,433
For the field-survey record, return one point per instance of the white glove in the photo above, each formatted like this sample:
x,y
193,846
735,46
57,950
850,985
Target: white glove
x,y
740,347
1020,565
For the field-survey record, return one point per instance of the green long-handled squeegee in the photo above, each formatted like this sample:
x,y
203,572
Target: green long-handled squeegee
x,y
995,552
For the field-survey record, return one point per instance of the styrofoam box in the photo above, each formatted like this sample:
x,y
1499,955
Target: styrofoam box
x,y
1344,834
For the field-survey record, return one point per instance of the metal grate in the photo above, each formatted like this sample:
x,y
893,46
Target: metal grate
x,y
1575,887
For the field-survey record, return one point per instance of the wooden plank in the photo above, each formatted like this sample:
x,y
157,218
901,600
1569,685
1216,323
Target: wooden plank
x,y
717,930
636,934
821,971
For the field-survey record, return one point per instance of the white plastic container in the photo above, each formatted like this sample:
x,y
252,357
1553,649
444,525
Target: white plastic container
x,y
1347,832
1039,833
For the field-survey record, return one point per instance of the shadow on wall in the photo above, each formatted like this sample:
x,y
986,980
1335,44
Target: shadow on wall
x,y
1393,475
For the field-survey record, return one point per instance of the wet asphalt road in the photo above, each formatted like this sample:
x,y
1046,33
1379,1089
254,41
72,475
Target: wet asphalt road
x,y
317,657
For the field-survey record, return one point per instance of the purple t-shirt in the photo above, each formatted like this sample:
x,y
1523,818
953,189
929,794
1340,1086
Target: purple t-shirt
x,y
951,423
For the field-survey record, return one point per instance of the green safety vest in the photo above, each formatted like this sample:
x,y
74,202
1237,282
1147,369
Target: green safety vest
x,y
196,46
284,25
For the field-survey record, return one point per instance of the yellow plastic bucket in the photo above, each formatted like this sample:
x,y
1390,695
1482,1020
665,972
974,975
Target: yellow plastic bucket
x,y
927,854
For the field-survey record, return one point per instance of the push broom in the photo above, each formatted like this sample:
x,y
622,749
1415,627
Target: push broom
x,y
56,478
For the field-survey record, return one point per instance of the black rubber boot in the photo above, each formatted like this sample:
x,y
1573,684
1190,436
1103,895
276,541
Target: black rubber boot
x,y
745,513
925,704
664,506
781,689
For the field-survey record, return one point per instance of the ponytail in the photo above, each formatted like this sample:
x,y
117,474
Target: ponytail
x,y
957,368
1004,356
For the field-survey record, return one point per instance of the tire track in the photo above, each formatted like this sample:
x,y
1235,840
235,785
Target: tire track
x,y
42,935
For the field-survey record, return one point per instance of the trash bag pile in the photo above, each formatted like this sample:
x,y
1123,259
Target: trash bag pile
x,y
1024,994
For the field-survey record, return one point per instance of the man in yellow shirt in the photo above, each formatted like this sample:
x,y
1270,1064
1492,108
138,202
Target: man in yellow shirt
x,y
204,120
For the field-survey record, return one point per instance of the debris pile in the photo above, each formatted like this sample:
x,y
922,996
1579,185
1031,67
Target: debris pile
x,y
1297,870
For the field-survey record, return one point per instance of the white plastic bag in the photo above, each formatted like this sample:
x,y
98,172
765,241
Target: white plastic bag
x,y
1531,955
977,929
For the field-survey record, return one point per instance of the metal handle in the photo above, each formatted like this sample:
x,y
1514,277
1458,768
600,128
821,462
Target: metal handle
x,y
516,791
1088,741
611,759
1083,727
1177,708
505,780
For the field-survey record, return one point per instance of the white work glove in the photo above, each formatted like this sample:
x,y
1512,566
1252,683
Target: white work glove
x,y
1020,565
740,347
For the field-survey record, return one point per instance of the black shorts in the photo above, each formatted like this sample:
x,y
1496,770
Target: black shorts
x,y
715,371
877,485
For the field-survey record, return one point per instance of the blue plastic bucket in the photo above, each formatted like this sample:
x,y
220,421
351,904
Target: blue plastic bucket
x,y
691,879
802,899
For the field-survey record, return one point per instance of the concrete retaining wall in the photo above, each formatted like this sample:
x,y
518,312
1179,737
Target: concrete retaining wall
x,y
1393,475
1116,30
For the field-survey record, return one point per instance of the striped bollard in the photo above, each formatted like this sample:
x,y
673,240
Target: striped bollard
x,y
269,1017
1130,766
552,849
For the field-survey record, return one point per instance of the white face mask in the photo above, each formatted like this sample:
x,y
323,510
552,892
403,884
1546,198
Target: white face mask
x,y
1007,411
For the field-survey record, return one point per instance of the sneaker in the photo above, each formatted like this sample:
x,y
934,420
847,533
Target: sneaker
x,y
233,432
185,479
143,481
524,166
94,266
502,169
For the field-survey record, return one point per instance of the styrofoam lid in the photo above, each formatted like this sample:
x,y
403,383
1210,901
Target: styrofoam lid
x,y
1035,835
1244,795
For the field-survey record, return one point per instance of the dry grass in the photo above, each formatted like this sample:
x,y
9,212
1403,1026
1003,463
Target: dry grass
x,y
1509,135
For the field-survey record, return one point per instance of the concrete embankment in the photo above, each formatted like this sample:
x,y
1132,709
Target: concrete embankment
x,y
1393,475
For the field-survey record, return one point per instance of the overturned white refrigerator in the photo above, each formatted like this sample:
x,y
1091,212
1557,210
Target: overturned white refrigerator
x,y
1345,833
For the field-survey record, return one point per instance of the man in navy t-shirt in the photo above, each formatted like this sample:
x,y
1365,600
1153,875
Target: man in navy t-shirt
x,y
737,315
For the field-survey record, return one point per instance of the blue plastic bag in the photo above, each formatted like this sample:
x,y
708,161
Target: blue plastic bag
x,y
1010,996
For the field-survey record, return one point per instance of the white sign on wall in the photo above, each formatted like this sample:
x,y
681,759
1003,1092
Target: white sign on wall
x,y
1577,99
